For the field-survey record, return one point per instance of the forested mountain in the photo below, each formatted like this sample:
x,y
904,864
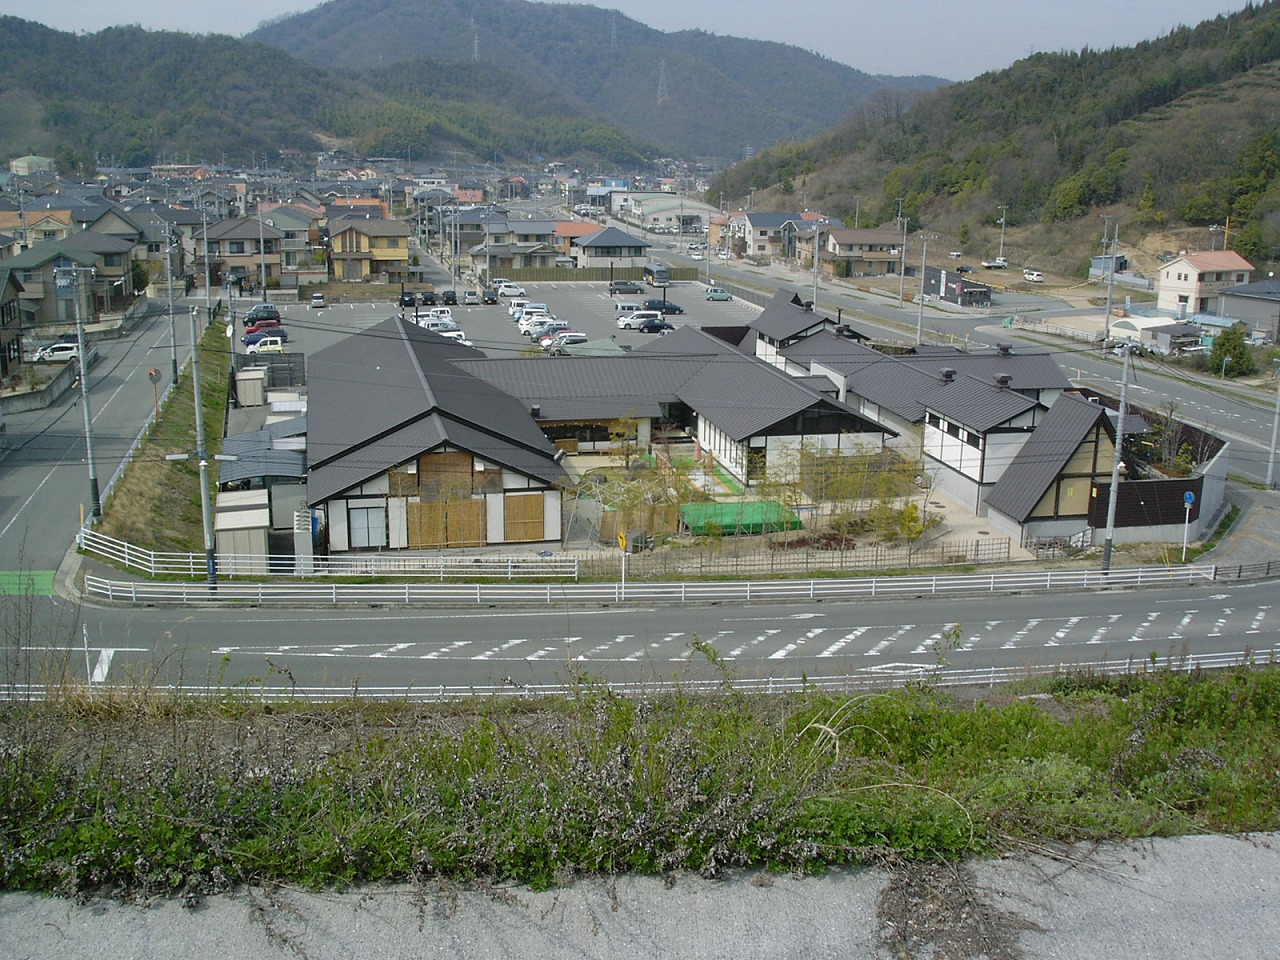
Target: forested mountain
x,y
693,93
1182,128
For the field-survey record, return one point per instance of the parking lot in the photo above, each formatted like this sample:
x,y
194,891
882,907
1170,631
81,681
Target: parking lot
x,y
586,306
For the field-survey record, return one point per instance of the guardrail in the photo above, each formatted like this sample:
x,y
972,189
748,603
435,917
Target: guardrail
x,y
155,563
492,594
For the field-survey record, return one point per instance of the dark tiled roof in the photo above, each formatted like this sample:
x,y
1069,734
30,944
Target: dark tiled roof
x,y
785,317
257,458
610,237
1044,454
977,404
390,392
589,387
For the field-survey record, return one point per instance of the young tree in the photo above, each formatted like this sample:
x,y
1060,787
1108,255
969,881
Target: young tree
x,y
1231,355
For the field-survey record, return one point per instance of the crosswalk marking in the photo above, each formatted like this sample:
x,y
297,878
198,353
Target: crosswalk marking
x,y
844,641
887,642
789,648
1013,641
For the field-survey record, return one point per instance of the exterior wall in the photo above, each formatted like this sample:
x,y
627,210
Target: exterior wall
x,y
1184,289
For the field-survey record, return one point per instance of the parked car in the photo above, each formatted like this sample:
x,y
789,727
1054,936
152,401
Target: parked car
x,y
543,328
718,293
664,307
488,295
562,338
278,333
1033,276
63,350
963,269
724,255
697,245
624,286
408,299
427,298
497,282
449,298
471,299
261,311
266,345
437,324
637,318
697,255
511,290
655,326
317,301
259,326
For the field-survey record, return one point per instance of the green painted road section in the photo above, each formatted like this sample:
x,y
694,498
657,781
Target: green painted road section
x,y
19,583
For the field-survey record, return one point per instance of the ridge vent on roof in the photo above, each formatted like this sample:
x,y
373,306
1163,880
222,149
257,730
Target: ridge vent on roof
x,y
1003,380
947,374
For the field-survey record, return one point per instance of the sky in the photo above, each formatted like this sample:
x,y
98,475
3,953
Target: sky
x,y
955,39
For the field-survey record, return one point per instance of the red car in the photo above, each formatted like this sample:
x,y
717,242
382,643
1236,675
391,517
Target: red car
x,y
258,326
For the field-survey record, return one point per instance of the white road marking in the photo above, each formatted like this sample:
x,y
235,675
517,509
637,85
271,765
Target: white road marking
x,y
102,666
843,641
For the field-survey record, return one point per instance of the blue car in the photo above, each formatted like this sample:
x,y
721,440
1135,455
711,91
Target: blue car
x,y
251,338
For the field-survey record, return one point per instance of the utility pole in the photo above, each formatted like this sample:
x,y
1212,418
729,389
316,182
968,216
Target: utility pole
x,y
902,259
208,296
62,277
1110,260
1004,213
1275,432
1115,467
924,259
173,337
262,252
857,210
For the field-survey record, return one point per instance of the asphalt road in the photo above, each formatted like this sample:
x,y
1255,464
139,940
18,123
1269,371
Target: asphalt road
x,y
451,652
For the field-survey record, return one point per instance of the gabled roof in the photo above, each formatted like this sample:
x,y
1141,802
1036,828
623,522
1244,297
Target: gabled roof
x,y
1045,453
978,404
242,228
370,227
611,237
1213,260
565,388
40,254
743,396
88,241
770,221
785,317
390,392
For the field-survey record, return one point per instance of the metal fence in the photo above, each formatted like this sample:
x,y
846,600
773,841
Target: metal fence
x,y
493,594
154,563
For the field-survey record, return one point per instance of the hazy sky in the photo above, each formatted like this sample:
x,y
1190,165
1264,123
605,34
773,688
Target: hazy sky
x,y
956,39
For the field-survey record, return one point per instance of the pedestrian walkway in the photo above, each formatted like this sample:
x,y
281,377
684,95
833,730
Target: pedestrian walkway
x,y
1255,535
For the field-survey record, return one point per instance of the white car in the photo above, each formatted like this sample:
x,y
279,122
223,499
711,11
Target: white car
x,y
529,320
724,255
511,290
457,336
317,301
697,255
1033,276
631,321
266,345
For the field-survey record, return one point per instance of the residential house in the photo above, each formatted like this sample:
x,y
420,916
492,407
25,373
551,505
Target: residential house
x,y
423,455
567,231
1192,283
240,249
10,323
1257,305
363,249
759,236
1047,489
785,320
513,244
41,300
32,226
609,247
299,225
861,253
114,258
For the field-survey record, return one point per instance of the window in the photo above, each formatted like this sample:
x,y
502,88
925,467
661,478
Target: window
x,y
236,246
367,527
953,429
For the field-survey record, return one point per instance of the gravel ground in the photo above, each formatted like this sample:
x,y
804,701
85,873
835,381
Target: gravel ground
x,y
1205,897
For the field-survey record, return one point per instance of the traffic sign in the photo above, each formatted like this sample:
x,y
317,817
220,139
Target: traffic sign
x,y
1188,498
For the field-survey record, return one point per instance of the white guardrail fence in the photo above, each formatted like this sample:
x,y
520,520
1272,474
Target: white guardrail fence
x,y
296,593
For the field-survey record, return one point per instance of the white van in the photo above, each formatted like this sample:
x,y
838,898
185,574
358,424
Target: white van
x,y
623,307
515,304
437,324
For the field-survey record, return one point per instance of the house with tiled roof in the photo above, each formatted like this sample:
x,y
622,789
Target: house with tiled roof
x,y
609,247
1047,488
10,323
1192,283
361,249
418,453
40,301
238,248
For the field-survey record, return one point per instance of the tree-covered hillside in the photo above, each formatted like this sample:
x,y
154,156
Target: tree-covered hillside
x,y
136,95
1182,128
691,92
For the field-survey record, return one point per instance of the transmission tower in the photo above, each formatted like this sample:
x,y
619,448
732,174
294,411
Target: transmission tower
x,y
663,97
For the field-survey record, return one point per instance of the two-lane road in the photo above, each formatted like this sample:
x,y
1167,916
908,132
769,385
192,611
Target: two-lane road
x,y
430,652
